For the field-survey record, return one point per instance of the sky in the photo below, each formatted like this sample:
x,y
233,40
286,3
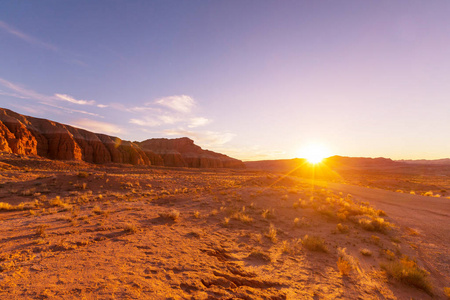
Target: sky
x,y
251,79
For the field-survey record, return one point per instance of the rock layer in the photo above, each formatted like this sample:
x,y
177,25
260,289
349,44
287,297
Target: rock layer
x,y
182,152
26,135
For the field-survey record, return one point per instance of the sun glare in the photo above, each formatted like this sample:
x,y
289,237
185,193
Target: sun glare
x,y
314,153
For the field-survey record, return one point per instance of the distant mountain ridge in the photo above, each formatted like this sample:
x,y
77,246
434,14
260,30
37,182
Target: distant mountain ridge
x,y
284,165
442,161
27,135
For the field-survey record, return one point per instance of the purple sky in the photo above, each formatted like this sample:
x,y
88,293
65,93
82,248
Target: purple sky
x,y
251,79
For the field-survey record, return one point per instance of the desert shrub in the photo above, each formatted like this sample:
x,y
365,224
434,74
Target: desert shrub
x,y
375,224
407,271
366,252
388,254
226,221
130,228
40,230
242,217
83,174
6,206
173,215
314,243
447,292
344,266
376,240
292,247
342,228
272,234
267,214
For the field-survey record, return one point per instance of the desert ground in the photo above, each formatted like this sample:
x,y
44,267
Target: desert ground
x,y
73,230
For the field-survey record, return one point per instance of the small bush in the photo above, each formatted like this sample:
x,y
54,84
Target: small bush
x,y
83,174
342,228
366,252
314,243
407,271
447,292
6,206
40,230
272,234
173,215
375,224
130,228
344,266
242,217
292,247
226,221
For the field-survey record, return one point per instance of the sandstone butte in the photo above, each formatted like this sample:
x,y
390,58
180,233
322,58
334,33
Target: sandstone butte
x,y
26,135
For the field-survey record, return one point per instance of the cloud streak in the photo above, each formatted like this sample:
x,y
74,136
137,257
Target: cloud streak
x,y
18,91
207,138
180,103
96,126
70,99
27,38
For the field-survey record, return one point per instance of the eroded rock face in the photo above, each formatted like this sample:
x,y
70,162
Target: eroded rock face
x,y
182,152
33,136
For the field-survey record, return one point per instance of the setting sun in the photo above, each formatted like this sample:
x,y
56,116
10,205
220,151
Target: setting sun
x,y
313,153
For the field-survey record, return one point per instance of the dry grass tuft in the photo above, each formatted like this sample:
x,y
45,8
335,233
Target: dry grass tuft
x,y
447,292
83,175
344,266
366,252
314,243
130,228
272,234
407,271
342,228
173,215
375,224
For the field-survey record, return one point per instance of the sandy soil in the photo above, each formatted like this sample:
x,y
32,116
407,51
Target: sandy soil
x,y
79,231
427,217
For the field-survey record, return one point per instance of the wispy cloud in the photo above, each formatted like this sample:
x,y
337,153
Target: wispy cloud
x,y
205,138
96,126
18,91
147,122
197,122
173,110
25,37
73,100
181,103
22,92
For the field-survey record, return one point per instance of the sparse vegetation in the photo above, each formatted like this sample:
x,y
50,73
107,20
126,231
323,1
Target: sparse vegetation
x,y
314,243
342,228
172,215
366,252
272,234
407,271
130,228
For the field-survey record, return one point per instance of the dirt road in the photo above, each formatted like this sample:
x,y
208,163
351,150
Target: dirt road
x,y
428,216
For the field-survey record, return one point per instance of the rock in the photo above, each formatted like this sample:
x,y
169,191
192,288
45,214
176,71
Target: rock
x,y
26,135
182,152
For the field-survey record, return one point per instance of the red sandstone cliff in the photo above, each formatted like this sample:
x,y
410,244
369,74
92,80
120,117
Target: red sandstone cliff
x,y
33,136
182,152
